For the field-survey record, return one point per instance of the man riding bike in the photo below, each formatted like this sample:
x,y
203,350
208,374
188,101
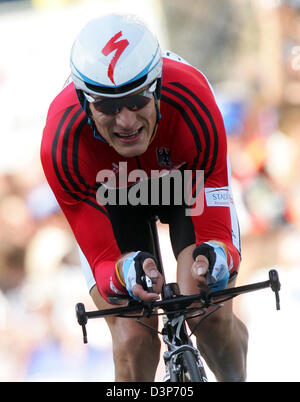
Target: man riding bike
x,y
127,111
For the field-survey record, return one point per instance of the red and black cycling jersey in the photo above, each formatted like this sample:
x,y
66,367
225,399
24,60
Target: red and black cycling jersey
x,y
190,133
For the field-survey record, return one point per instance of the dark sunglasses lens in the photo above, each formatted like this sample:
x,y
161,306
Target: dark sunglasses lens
x,y
107,106
133,103
137,102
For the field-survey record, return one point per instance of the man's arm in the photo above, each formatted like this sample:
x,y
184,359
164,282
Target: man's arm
x,y
88,219
216,225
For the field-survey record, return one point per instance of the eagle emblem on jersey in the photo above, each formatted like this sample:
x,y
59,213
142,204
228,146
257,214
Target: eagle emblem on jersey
x,y
163,156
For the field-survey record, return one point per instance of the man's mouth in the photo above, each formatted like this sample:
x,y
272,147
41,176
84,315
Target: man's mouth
x,y
129,136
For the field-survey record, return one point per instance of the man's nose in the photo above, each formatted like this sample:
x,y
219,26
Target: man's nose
x,y
125,118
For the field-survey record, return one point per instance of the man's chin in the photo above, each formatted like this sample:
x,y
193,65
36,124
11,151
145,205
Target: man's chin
x,y
131,151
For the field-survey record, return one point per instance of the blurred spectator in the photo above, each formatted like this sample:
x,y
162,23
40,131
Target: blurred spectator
x,y
12,272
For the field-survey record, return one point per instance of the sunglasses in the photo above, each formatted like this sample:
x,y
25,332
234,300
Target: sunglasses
x,y
111,106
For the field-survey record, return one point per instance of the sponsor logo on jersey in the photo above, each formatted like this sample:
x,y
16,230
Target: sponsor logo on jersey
x,y
113,287
218,197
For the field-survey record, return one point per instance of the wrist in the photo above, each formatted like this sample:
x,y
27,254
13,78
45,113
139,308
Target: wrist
x,y
119,273
119,268
218,245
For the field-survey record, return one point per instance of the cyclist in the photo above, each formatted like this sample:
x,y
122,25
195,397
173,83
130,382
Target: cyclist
x,y
127,111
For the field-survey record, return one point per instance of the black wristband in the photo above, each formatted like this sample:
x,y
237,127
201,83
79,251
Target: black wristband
x,y
208,251
138,262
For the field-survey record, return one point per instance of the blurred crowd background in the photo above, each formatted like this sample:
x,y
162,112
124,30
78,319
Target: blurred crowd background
x,y
250,52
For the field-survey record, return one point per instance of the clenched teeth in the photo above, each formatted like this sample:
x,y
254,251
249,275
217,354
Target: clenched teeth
x,y
129,135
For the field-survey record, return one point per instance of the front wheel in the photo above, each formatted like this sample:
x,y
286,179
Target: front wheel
x,y
191,372
186,368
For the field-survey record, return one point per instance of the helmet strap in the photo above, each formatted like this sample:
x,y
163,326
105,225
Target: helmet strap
x,y
84,104
158,115
158,87
95,131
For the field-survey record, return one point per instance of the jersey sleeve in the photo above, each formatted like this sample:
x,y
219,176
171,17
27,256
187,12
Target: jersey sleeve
x,y
215,217
203,144
67,168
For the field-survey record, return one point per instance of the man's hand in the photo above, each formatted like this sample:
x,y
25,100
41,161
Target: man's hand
x,y
150,269
199,271
210,268
133,268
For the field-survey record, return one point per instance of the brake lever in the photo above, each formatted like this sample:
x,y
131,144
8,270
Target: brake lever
x,y
82,319
275,286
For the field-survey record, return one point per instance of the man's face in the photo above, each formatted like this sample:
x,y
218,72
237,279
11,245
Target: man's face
x,y
128,132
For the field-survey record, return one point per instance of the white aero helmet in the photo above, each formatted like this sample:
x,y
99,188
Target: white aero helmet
x,y
115,55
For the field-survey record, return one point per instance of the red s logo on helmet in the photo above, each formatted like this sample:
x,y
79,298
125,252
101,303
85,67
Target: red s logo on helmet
x,y
110,47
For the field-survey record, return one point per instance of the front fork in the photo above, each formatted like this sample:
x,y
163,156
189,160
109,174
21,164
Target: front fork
x,y
177,340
